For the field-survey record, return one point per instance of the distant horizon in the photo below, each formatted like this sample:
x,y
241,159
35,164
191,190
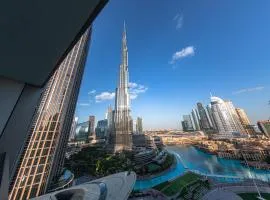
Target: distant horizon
x,y
177,62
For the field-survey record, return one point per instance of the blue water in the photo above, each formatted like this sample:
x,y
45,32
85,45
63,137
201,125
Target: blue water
x,y
205,163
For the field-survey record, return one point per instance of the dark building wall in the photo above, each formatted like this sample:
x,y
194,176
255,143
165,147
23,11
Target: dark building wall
x,y
19,107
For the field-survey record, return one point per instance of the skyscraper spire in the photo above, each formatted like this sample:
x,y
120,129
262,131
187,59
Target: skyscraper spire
x,y
124,26
122,118
124,55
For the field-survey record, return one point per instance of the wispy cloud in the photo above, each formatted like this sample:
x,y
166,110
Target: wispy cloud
x,y
104,96
245,90
179,18
84,104
185,52
92,92
136,89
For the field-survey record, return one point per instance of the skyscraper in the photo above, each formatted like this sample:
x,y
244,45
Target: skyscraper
x,y
242,116
235,119
187,123
73,128
102,129
109,117
210,117
264,127
139,126
82,132
92,126
195,120
203,117
42,160
222,115
122,119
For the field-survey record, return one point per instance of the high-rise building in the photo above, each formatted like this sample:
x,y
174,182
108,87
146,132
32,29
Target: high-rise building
x,y
195,120
82,132
109,117
210,117
242,116
139,126
122,120
187,123
73,129
102,129
43,157
236,122
203,117
92,126
226,124
264,127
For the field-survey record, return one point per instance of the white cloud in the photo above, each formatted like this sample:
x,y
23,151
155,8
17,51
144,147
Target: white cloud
x,y
179,21
92,92
136,89
132,85
258,88
104,96
84,104
188,51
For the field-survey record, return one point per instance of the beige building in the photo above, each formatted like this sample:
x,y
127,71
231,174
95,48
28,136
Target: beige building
x,y
242,116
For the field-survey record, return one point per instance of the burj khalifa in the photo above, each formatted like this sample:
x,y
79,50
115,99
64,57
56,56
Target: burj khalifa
x,y
122,136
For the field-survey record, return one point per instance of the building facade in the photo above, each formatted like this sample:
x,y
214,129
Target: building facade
x,y
122,120
242,116
225,121
73,129
210,117
92,121
244,120
264,127
82,132
139,125
235,119
109,117
205,125
102,129
43,157
195,120
187,123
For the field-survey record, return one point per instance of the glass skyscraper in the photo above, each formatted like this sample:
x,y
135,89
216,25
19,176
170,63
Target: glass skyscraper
x,y
43,156
195,120
225,117
205,125
139,126
82,132
187,123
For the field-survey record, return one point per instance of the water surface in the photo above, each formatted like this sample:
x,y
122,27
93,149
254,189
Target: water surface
x,y
195,159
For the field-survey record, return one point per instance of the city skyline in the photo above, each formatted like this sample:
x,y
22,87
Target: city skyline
x,y
184,60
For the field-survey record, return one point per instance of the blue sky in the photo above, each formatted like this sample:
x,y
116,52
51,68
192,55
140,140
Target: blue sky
x,y
179,52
